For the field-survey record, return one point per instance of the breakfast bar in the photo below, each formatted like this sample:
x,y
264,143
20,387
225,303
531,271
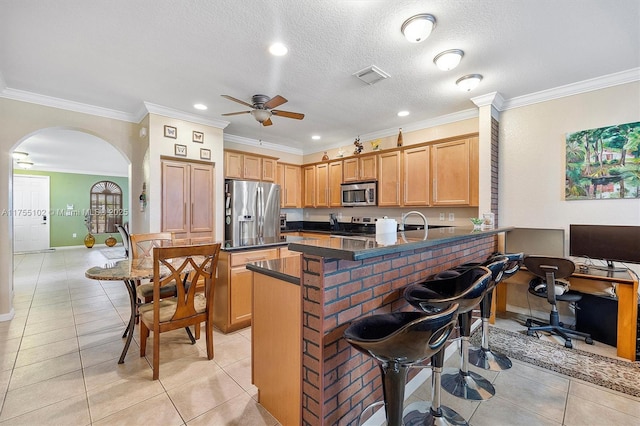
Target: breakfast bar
x,y
344,278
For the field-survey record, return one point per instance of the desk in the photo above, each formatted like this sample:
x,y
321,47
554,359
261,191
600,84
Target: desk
x,y
128,271
626,289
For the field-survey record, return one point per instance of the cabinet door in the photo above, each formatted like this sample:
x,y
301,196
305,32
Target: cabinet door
x,y
280,180
322,185
309,177
252,167
175,197
201,209
416,176
335,179
350,170
368,169
450,173
269,169
292,188
233,167
389,179
240,295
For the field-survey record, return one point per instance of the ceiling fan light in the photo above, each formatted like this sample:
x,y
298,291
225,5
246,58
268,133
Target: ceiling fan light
x,y
418,27
19,155
449,59
261,114
25,164
469,82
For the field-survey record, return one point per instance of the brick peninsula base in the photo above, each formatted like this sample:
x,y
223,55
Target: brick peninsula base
x,y
337,381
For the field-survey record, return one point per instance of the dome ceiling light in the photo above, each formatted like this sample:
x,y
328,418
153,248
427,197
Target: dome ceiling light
x,y
449,59
25,164
469,82
19,155
418,27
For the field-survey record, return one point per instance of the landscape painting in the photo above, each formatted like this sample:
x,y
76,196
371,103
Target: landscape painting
x,y
603,163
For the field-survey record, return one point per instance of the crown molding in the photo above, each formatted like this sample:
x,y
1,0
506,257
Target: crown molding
x,y
181,115
260,143
615,79
50,101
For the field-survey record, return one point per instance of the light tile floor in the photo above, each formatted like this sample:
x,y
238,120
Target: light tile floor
x,y
58,365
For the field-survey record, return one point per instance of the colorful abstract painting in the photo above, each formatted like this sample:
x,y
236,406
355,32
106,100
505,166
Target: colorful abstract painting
x,y
603,163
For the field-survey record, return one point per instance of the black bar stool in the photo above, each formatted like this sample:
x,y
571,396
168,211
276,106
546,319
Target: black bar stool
x,y
398,341
483,356
466,289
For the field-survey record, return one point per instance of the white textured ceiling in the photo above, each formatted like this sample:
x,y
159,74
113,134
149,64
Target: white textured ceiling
x,y
118,54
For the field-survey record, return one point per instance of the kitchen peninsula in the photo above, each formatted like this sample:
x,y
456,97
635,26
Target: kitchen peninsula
x,y
344,278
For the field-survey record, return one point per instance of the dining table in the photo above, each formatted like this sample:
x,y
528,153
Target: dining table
x,y
130,272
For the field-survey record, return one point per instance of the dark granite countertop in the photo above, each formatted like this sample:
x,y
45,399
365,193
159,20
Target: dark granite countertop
x,y
285,268
364,247
256,243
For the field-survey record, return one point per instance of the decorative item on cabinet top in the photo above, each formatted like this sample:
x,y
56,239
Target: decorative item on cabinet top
x,y
325,157
375,144
400,141
358,146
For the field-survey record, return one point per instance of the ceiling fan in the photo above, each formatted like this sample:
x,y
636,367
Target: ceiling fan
x,y
261,108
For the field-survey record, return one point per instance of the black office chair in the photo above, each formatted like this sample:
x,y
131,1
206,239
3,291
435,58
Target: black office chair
x,y
550,269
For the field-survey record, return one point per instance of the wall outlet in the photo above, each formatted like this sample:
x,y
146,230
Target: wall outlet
x,y
75,235
452,217
441,216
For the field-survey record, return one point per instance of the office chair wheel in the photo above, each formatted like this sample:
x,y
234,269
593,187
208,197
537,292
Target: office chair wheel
x,y
529,333
568,344
528,323
588,340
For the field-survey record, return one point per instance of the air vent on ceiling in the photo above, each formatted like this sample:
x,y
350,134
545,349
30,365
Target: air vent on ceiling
x,y
371,75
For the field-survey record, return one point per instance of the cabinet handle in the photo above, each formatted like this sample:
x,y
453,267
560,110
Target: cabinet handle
x,y
184,215
191,216
435,190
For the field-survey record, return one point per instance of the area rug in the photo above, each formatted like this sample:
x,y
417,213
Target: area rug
x,y
621,376
116,252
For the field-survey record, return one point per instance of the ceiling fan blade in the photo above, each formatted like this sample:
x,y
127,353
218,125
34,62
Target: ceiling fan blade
x,y
237,113
287,114
231,98
274,102
267,122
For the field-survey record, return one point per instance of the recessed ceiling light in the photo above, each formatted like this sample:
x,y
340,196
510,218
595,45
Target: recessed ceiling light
x,y
418,27
315,137
469,82
403,113
449,59
278,49
201,107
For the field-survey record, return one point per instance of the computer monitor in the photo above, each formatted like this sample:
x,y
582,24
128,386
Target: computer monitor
x,y
535,241
605,242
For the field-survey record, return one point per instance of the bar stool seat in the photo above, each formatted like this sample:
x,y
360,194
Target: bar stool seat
x,y
398,341
466,289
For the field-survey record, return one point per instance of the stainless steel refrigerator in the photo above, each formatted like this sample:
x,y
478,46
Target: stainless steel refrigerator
x,y
252,212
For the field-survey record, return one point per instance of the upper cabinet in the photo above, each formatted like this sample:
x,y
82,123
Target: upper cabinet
x,y
288,177
389,178
454,172
309,185
416,177
239,165
356,169
322,184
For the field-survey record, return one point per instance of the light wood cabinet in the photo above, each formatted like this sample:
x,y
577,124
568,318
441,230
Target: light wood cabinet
x,y
239,165
389,176
416,178
359,168
289,181
454,171
309,180
335,180
232,301
322,185
187,200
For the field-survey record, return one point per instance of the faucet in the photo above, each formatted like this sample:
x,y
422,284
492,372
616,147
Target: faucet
x,y
404,218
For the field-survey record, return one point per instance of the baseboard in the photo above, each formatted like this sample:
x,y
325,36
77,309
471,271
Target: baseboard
x,y
9,316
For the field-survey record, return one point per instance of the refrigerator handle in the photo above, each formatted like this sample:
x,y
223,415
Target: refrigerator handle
x,y
260,212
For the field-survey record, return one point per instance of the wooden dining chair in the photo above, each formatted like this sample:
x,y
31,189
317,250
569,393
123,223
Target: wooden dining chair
x,y
142,246
189,307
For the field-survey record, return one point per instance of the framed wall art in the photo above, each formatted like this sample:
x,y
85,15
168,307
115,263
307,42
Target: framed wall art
x,y
198,137
205,154
180,150
603,163
170,132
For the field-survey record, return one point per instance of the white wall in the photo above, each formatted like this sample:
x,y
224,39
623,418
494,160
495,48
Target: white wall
x,y
532,160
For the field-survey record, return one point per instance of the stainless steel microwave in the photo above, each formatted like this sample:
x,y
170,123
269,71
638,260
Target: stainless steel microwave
x,y
359,194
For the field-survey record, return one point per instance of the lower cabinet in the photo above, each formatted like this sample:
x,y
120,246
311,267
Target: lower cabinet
x,y
232,296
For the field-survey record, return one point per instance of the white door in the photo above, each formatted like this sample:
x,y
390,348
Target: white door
x,y
30,213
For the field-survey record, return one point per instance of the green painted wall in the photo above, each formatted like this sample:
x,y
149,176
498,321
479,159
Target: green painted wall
x,y
72,188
